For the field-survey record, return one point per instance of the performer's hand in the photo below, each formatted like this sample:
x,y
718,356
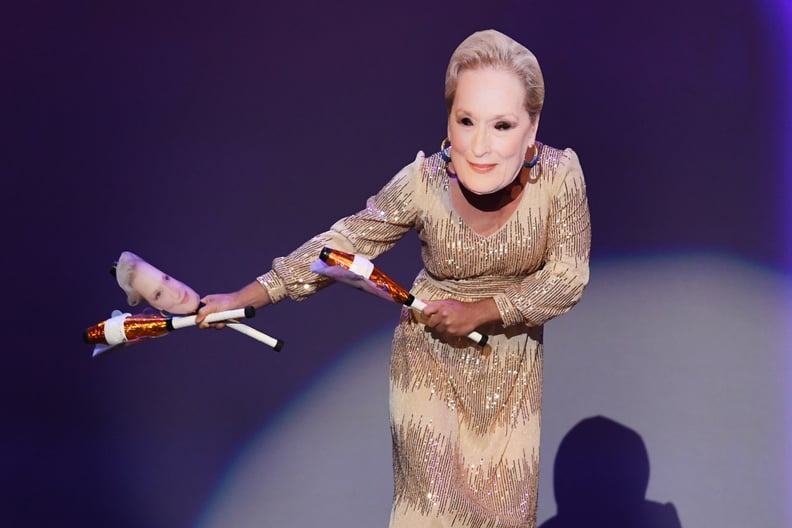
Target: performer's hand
x,y
251,295
216,302
456,318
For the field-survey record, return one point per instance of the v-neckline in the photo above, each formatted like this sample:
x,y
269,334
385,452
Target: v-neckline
x,y
454,188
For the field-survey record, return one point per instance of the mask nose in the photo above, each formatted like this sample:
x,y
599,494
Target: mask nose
x,y
481,142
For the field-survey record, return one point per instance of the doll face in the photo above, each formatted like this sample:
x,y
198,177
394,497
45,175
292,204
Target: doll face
x,y
162,291
489,128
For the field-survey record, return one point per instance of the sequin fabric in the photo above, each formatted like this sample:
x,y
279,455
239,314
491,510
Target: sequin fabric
x,y
465,420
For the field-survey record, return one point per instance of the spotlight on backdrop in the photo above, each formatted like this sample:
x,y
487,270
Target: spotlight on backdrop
x,y
690,351
325,460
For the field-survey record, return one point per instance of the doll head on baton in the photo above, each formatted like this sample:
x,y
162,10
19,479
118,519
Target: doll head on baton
x,y
142,281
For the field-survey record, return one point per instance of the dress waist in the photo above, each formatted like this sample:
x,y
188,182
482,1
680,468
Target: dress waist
x,y
475,288
430,288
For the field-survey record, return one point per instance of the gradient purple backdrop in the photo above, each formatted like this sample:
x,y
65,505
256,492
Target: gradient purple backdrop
x,y
211,137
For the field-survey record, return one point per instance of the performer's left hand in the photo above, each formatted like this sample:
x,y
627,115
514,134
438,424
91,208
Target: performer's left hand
x,y
457,318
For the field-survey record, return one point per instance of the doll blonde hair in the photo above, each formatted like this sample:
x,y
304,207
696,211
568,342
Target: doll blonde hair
x,y
125,273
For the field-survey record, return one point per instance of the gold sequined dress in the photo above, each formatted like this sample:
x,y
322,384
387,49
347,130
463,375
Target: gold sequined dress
x,y
465,420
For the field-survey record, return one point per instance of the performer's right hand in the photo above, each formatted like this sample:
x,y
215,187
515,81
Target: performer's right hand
x,y
251,295
216,302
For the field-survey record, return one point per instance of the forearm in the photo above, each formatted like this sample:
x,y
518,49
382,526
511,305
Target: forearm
x,y
254,294
485,311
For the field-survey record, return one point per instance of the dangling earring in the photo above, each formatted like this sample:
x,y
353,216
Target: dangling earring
x,y
530,164
445,150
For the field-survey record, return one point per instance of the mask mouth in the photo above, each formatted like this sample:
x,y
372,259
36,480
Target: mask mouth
x,y
482,167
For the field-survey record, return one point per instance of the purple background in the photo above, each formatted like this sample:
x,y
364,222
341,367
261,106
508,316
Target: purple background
x,y
211,137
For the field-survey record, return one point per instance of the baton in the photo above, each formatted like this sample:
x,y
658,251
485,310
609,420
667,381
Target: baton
x,y
365,269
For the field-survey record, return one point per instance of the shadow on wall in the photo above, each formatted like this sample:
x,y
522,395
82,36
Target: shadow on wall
x,y
600,478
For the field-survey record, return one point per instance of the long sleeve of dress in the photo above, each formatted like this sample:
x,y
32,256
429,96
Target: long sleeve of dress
x,y
388,216
558,286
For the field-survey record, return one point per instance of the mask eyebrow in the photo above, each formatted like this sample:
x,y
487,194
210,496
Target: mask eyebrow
x,y
512,118
505,117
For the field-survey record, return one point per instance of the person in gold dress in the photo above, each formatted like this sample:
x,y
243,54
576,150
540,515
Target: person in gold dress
x,y
504,227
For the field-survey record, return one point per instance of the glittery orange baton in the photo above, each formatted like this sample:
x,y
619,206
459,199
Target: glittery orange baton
x,y
127,328
365,269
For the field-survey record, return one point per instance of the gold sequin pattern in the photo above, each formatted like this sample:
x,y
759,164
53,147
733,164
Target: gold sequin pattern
x,y
465,421
501,388
438,480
